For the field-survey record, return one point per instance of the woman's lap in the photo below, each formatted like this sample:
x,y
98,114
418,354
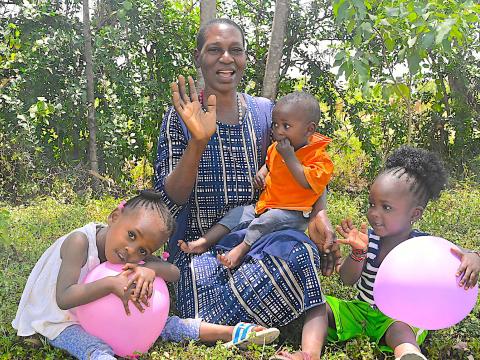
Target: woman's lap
x,y
270,291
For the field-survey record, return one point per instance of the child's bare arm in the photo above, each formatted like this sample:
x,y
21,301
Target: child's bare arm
x,y
68,292
163,269
352,266
143,276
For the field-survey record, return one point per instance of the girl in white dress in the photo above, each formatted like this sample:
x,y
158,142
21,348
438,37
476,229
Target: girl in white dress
x,y
134,231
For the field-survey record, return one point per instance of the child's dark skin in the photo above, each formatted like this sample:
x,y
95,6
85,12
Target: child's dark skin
x,y
392,211
291,129
132,236
469,268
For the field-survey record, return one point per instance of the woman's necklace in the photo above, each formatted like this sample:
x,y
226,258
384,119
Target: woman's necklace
x,y
240,109
239,106
227,141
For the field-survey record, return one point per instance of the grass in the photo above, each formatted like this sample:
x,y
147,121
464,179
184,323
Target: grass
x,y
26,231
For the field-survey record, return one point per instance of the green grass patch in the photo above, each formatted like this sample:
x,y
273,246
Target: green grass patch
x,y
26,231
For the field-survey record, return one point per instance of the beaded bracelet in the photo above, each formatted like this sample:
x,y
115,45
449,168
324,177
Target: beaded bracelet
x,y
475,252
358,255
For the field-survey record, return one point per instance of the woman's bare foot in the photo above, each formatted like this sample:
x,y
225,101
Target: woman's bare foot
x,y
235,256
194,247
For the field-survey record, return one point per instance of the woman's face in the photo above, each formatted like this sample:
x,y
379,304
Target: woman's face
x,y
222,57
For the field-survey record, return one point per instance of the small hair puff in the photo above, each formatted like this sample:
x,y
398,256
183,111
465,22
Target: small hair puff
x,y
425,167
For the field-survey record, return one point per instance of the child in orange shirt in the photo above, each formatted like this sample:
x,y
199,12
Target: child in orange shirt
x,y
295,174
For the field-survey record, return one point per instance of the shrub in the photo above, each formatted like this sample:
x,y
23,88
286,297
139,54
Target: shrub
x,y
26,231
350,162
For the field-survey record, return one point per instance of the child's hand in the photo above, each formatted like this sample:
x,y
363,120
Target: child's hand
x,y
260,176
142,278
285,148
259,181
358,240
469,268
119,284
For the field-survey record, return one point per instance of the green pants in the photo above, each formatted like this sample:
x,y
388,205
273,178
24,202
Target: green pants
x,y
356,317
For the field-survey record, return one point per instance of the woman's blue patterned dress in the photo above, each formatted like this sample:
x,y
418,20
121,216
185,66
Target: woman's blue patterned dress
x,y
280,278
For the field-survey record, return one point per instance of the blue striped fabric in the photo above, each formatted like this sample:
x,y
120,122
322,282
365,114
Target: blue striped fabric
x,y
270,291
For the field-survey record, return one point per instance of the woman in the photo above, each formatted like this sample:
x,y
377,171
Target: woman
x,y
205,165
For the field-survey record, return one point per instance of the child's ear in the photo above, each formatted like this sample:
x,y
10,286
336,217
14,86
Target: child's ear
x,y
113,217
417,213
311,128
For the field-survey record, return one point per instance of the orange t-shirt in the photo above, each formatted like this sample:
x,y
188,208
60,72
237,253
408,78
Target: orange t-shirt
x,y
282,191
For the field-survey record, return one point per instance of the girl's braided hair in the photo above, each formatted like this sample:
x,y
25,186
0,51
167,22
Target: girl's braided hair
x,y
152,200
424,171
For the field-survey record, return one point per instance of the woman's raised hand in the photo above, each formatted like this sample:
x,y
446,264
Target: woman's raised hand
x,y
202,125
357,239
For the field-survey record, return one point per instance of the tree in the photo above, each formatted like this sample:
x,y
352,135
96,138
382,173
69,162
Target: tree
x,y
208,11
92,124
431,40
275,49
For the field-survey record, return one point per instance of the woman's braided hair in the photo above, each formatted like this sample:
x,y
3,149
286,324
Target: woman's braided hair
x,y
424,171
152,200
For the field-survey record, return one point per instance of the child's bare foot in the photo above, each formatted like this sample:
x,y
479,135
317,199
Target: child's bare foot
x,y
298,355
194,247
235,256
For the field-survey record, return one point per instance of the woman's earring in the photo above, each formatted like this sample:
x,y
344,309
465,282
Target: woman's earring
x,y
412,222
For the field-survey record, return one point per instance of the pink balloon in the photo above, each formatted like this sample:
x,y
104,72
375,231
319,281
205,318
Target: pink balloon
x,y
105,318
416,284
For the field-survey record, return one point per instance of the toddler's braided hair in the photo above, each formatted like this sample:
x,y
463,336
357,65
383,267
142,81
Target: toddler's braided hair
x,y
152,200
423,169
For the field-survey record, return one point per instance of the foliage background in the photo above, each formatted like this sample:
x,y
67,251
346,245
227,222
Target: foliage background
x,y
385,73
26,231
407,70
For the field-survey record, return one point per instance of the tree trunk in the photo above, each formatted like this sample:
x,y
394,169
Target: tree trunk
x,y
462,120
275,49
92,125
208,11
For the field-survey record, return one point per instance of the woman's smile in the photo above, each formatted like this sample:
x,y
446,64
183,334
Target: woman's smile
x,y
226,74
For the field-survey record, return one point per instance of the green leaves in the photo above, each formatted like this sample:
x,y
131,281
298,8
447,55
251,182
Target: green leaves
x,y
402,90
413,60
137,53
127,5
444,30
402,30
362,68
426,41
